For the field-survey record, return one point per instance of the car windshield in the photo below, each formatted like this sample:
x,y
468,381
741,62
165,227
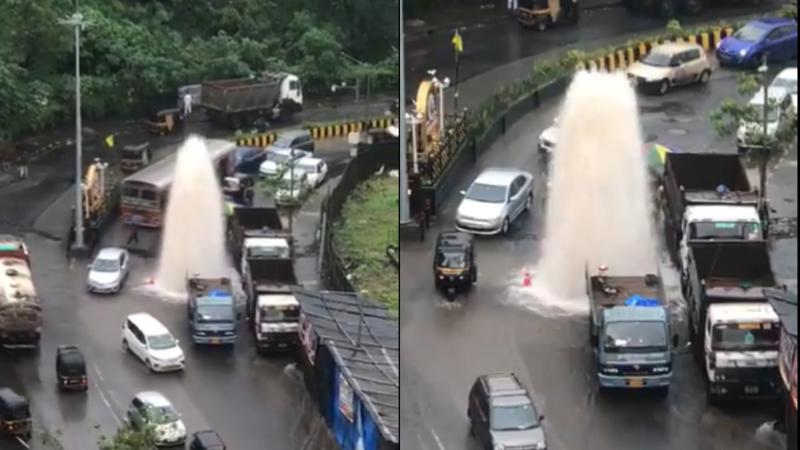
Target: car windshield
x,y
278,157
785,83
657,59
105,265
214,314
487,193
622,337
743,337
725,230
513,417
160,415
750,33
161,342
19,412
451,260
283,142
279,314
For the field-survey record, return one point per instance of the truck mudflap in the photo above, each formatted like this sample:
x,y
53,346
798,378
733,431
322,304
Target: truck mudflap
x,y
634,382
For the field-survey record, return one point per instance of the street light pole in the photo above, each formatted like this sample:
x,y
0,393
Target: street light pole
x,y
78,23
404,213
762,168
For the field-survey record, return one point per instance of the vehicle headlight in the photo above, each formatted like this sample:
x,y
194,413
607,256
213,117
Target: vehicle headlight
x,y
201,333
607,369
661,369
499,447
719,377
742,52
541,446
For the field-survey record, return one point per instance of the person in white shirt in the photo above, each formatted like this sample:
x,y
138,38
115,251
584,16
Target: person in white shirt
x,y
187,104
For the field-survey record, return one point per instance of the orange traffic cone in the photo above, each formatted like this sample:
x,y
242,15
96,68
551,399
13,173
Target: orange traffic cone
x,y
526,278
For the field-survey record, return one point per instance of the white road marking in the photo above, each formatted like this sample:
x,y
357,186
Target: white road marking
x,y
103,396
436,438
22,442
99,374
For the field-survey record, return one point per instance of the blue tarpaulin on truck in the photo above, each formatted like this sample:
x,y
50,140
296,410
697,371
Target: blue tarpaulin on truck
x,y
638,300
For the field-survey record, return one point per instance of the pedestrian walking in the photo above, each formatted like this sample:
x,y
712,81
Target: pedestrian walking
x,y
134,236
22,168
512,6
187,104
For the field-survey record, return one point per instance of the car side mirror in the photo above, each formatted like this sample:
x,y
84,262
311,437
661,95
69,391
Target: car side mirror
x,y
541,417
675,340
462,192
177,341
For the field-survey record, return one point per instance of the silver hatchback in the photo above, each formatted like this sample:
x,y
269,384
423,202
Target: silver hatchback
x,y
108,272
494,200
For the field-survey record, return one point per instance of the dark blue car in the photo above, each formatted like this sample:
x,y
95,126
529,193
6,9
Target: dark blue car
x,y
246,160
774,37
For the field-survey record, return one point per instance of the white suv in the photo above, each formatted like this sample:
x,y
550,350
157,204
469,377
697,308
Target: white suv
x,y
149,340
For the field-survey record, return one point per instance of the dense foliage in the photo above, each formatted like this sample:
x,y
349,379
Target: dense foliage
x,y
136,53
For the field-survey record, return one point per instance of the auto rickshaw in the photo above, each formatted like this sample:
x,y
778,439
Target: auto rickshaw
x,y
134,157
541,14
454,265
71,368
166,121
15,414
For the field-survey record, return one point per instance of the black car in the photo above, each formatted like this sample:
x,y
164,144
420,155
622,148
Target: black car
x,y
454,261
246,160
15,414
502,414
296,139
71,368
207,440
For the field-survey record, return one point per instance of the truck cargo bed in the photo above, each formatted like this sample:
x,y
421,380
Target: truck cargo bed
x,y
626,287
706,171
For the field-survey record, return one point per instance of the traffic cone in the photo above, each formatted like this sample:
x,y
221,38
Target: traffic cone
x,y
526,278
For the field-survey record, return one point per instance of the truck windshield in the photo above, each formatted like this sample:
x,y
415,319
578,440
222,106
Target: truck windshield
x,y
268,252
279,314
214,314
742,338
632,337
725,230
513,417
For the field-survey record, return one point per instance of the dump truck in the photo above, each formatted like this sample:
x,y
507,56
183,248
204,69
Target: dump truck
x,y
726,295
668,9
707,196
630,330
257,232
211,310
240,102
20,310
272,308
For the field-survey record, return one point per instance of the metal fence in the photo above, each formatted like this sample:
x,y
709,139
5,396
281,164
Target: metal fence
x,y
370,159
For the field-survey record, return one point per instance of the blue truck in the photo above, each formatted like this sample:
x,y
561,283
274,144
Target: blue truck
x,y
629,330
211,311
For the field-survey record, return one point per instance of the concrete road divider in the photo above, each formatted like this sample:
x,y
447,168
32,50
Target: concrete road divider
x,y
320,131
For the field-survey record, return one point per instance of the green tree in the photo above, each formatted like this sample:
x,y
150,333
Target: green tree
x,y
129,438
737,116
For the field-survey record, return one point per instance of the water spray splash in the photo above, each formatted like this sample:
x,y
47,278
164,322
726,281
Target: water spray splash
x,y
598,206
194,233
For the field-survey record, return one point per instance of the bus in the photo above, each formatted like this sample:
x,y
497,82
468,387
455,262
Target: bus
x,y
144,193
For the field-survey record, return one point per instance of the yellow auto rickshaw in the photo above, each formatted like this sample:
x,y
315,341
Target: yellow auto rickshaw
x,y
541,14
166,121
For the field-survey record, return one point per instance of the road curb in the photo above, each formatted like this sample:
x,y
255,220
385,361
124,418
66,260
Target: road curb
x,y
320,131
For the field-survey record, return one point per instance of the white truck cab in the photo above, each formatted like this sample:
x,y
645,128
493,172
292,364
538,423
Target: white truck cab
x,y
741,349
708,222
265,247
291,89
276,321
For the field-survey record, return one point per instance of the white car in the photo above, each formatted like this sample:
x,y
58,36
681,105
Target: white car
x,y
291,192
149,340
108,272
151,408
785,85
776,114
668,65
315,168
548,138
278,159
494,200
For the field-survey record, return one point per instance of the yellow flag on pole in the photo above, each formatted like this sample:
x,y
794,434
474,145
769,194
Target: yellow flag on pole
x,y
110,141
457,42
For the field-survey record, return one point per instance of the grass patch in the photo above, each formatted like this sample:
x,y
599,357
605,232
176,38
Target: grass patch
x,y
369,223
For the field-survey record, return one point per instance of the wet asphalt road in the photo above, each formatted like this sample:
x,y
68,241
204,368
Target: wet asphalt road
x,y
445,348
249,399
492,43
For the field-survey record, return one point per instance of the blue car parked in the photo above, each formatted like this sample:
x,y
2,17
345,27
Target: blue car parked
x,y
774,37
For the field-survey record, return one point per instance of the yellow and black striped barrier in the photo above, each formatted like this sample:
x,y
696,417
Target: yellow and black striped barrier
x,y
321,131
623,57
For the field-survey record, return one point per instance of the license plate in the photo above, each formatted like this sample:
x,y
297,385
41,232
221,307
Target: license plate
x,y
215,340
751,389
635,382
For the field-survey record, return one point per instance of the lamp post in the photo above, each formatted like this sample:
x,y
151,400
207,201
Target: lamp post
x,y
78,23
414,120
441,85
762,167
404,212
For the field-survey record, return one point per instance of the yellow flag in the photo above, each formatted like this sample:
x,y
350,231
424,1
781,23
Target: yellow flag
x,y
457,42
110,141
